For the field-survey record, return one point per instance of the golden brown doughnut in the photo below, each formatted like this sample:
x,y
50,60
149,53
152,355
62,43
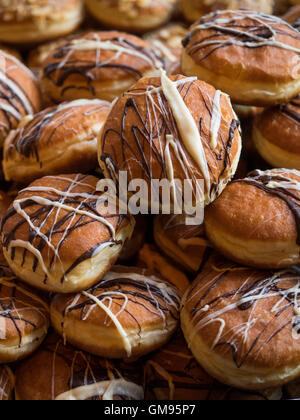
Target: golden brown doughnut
x,y
256,63
132,16
99,65
128,314
256,220
61,372
195,9
59,235
198,135
27,22
6,383
173,374
242,325
185,245
24,319
19,93
276,135
60,139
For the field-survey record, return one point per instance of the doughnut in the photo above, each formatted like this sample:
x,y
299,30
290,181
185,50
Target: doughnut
x,y
174,374
60,139
150,257
185,245
59,372
195,9
132,16
24,320
19,93
99,65
276,135
128,314
169,41
256,220
6,383
132,246
256,64
28,22
242,324
60,236
183,129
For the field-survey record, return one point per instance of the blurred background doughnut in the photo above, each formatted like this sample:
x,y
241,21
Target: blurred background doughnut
x,y
99,65
60,236
256,63
128,314
61,372
61,139
30,22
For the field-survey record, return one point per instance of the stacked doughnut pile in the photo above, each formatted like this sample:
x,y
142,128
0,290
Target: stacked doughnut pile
x,y
99,304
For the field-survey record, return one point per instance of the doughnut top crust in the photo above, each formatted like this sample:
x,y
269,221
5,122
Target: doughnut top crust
x,y
64,373
247,317
21,11
53,130
281,125
138,8
6,383
57,223
19,93
99,56
173,128
130,298
263,206
21,311
246,45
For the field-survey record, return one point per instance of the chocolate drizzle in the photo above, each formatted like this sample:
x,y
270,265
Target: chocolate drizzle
x,y
292,109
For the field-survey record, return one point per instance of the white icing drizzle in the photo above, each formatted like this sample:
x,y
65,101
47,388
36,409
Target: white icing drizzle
x,y
216,119
286,183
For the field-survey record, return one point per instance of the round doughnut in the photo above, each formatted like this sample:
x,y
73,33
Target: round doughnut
x,y
133,245
242,324
195,9
256,221
183,128
128,314
132,16
24,320
185,245
276,134
256,63
59,372
19,93
60,139
174,374
6,383
27,22
99,65
150,257
59,234
168,40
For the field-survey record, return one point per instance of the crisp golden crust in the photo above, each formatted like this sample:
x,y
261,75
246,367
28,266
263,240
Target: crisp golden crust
x,y
195,9
6,383
134,16
129,313
23,21
60,236
256,220
60,139
24,318
185,245
20,94
174,374
242,324
173,107
265,66
61,372
97,65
